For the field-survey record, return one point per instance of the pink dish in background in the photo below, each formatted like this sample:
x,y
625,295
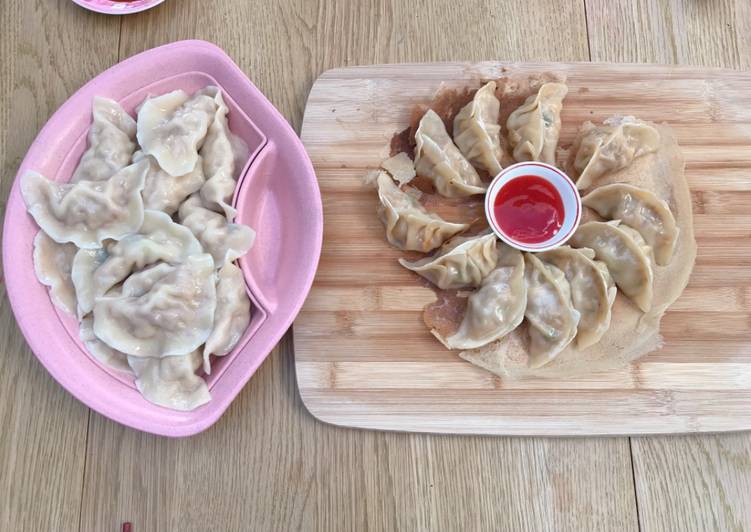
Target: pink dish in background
x,y
112,7
277,195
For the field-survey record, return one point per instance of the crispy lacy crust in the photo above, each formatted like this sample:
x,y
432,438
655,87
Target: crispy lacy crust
x,y
632,334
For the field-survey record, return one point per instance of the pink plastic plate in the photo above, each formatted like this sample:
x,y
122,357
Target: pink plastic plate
x,y
277,195
111,7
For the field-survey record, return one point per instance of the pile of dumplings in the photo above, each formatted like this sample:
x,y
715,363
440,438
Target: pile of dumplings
x,y
140,245
564,296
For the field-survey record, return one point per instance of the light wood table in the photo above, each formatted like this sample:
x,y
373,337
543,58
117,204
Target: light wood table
x,y
267,464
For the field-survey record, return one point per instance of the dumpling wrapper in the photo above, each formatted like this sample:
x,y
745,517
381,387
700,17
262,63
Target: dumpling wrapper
x,y
408,225
461,262
85,263
52,264
171,381
87,212
632,333
496,308
612,146
401,168
164,192
107,356
232,314
640,209
111,142
158,239
438,159
171,127
164,311
627,256
477,133
224,154
551,317
225,241
534,128
592,290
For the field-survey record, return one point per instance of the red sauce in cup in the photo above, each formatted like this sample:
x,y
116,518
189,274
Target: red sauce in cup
x,y
529,209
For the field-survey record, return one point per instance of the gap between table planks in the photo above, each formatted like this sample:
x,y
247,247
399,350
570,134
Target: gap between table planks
x,y
309,470
365,359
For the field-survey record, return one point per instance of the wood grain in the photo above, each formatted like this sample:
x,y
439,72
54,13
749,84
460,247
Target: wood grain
x,y
267,464
363,353
43,51
692,482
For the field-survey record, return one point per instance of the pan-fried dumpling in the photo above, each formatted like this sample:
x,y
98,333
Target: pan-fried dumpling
x,y
223,154
224,240
477,133
99,350
52,264
164,192
550,313
592,290
438,159
610,147
401,168
641,209
170,315
496,308
87,212
111,142
159,239
171,128
408,225
626,255
461,262
534,128
232,314
171,381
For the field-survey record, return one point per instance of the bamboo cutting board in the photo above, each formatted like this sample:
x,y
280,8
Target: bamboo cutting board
x,y
365,359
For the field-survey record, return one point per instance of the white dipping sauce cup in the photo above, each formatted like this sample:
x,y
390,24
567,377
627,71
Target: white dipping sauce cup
x,y
572,204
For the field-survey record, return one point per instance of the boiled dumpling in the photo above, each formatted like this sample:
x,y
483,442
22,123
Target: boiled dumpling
x,y
438,159
224,240
592,290
52,264
408,225
99,350
496,308
626,255
610,147
85,263
550,313
477,133
223,156
641,209
171,128
158,239
87,212
171,381
164,192
534,128
232,314
461,262
111,142
171,314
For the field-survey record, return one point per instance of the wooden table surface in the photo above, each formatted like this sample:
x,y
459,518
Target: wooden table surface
x,y
267,464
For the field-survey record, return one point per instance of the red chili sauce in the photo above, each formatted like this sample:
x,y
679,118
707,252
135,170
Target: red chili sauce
x,y
529,209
